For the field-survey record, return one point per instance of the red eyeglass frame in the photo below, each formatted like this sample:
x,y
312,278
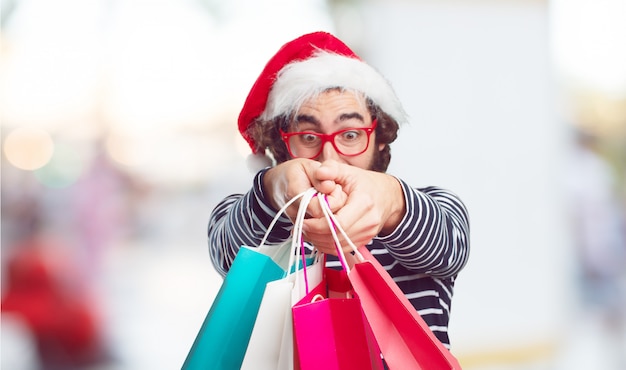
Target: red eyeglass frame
x,y
329,138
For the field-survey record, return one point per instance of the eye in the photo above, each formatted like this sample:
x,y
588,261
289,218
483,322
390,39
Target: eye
x,y
308,138
352,135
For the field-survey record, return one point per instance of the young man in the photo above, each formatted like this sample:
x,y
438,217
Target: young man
x,y
327,119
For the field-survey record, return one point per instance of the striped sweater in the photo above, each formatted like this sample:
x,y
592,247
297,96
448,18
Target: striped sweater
x,y
423,254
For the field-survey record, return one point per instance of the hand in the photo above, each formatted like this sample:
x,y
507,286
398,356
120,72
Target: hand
x,y
374,205
290,178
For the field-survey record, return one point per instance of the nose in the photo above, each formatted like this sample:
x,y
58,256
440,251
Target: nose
x,y
328,152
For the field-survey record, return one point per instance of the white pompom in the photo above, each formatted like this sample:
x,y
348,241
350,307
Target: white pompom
x,y
257,162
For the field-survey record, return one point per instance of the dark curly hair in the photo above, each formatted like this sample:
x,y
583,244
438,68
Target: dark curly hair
x,y
266,135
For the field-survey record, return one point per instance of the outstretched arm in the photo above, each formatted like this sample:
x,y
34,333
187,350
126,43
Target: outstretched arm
x,y
433,236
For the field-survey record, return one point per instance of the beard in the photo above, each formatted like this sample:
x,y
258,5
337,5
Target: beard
x,y
380,160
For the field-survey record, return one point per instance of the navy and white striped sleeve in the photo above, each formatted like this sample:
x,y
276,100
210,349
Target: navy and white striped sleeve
x,y
243,219
433,236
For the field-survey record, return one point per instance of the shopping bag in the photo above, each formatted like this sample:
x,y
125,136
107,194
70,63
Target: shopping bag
x,y
266,342
330,328
224,335
404,338
271,343
332,332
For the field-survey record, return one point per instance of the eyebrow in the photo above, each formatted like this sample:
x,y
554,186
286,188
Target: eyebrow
x,y
301,118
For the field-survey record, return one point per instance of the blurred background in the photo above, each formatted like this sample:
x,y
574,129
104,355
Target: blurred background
x,y
119,137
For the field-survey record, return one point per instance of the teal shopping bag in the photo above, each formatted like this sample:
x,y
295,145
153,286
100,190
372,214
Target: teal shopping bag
x,y
224,335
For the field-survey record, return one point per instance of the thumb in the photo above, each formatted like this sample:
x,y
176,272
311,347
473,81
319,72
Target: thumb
x,y
324,180
339,173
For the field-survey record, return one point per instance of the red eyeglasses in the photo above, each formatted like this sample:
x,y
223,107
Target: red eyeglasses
x,y
348,142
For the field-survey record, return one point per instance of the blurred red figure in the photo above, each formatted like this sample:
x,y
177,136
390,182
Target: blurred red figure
x,y
44,291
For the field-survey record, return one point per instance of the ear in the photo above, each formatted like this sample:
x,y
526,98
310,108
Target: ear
x,y
381,147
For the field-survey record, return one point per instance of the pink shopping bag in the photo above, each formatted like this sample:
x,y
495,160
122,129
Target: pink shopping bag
x,y
330,329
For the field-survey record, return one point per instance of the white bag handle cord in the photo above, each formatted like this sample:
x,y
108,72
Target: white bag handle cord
x,y
280,212
334,225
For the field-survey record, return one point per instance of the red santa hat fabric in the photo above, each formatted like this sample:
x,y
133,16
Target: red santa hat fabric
x,y
307,66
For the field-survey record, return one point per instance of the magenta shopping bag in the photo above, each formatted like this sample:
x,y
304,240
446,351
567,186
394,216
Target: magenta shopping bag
x,y
330,329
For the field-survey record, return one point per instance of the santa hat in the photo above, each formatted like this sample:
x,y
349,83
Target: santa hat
x,y
305,67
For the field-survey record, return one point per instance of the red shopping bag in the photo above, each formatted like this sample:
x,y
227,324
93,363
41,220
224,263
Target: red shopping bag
x,y
330,328
403,336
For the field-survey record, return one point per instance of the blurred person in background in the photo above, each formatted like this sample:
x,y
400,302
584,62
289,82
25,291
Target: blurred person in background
x,y
43,289
326,119
102,204
598,224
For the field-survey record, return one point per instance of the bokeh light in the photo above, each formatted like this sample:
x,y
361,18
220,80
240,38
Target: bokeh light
x,y
28,148
127,150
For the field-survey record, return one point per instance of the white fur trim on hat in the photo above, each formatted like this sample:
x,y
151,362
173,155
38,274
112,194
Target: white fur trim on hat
x,y
299,81
257,162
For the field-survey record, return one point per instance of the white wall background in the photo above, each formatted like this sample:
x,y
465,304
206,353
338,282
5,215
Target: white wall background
x,y
476,79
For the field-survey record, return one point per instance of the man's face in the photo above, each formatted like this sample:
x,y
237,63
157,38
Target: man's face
x,y
336,110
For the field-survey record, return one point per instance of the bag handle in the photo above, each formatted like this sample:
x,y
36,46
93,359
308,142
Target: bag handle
x,y
297,244
290,246
334,225
279,214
